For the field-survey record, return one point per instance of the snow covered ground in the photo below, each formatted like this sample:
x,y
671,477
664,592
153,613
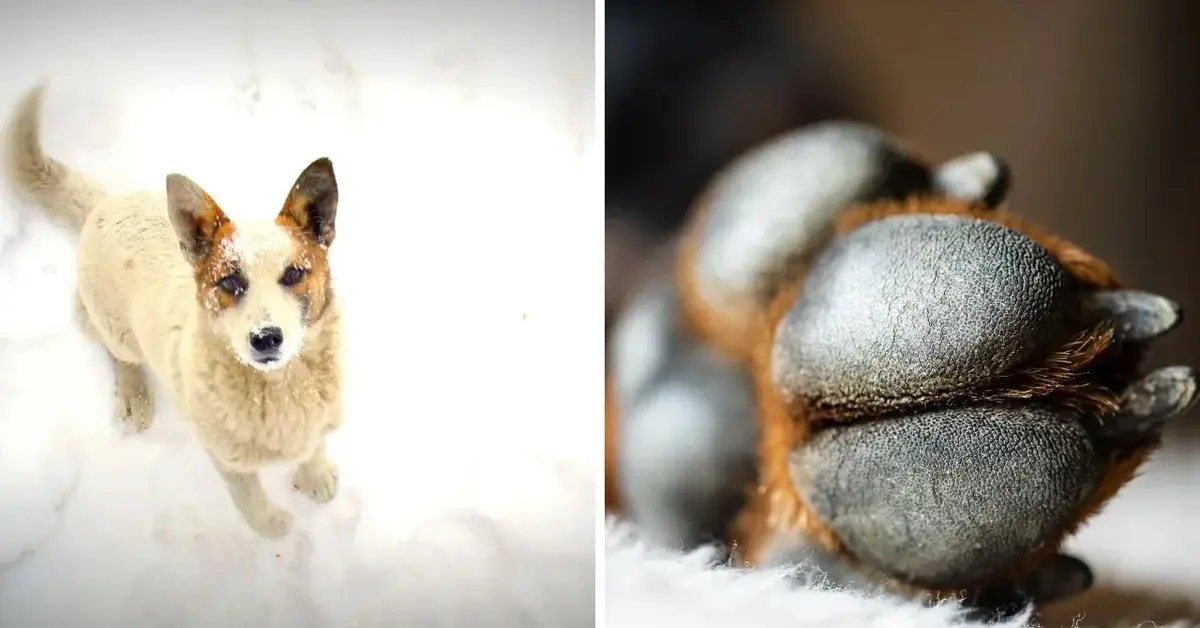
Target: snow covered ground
x,y
462,136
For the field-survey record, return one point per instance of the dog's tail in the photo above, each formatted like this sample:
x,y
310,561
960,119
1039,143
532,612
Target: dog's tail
x,y
32,173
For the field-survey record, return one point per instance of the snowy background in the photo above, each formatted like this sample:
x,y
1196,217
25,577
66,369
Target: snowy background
x,y
462,136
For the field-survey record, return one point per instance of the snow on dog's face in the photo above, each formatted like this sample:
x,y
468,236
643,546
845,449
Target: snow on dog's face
x,y
262,284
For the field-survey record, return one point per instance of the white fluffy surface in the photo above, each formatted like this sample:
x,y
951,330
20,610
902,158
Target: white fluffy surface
x,y
461,133
649,587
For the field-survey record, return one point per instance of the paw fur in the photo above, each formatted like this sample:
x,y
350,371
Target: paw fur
x,y
135,404
320,485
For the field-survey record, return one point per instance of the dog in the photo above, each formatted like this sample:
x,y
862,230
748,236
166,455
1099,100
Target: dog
x,y
239,321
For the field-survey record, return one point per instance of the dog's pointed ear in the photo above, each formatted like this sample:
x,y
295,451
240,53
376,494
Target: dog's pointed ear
x,y
197,219
312,203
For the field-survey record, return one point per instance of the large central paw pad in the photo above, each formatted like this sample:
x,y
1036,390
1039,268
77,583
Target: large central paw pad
x,y
926,309
921,309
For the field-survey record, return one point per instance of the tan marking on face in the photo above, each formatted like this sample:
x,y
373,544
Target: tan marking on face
x,y
315,290
218,262
210,224
295,211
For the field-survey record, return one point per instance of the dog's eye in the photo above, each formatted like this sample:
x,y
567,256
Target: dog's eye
x,y
293,275
233,285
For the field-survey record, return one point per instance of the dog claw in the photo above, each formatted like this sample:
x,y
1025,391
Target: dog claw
x,y
1150,402
981,178
1147,404
1060,578
1137,316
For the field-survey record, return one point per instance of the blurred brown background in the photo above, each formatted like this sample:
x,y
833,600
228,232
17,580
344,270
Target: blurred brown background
x,y
1094,103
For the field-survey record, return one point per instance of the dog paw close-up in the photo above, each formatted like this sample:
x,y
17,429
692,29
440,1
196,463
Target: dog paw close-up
x,y
939,392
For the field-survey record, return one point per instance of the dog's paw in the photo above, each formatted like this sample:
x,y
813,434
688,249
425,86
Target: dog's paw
x,y
945,391
135,403
272,523
319,484
969,394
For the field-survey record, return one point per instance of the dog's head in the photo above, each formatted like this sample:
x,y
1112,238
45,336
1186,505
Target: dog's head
x,y
261,284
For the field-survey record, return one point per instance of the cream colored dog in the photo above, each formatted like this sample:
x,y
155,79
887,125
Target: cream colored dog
x,y
239,321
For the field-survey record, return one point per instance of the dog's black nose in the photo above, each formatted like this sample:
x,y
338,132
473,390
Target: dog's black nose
x,y
266,339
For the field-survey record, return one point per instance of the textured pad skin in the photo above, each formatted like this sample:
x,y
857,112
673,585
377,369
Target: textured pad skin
x,y
688,434
780,200
688,455
910,309
946,498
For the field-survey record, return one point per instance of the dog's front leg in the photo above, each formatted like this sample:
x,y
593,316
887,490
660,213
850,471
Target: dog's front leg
x,y
251,500
317,477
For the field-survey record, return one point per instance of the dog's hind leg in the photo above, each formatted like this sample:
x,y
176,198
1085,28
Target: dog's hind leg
x,y
135,404
247,492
